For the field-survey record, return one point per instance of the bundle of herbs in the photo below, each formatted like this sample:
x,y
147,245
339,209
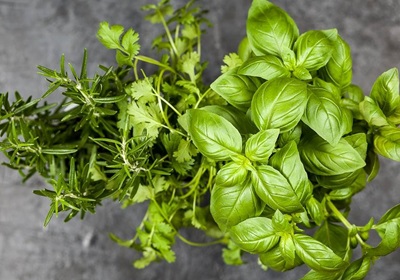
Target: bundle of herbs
x,y
264,160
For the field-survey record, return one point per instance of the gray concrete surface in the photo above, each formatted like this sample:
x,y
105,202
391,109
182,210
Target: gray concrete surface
x,y
36,32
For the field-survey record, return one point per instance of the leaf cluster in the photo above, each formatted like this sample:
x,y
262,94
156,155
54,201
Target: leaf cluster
x,y
264,160
299,141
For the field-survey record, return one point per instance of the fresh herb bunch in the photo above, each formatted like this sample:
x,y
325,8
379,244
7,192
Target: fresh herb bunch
x,y
265,160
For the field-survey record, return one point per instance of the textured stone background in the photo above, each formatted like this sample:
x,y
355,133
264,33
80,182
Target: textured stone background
x,y
36,32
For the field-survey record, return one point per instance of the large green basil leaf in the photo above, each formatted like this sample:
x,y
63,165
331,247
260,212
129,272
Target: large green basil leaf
x,y
321,158
279,103
234,116
287,162
255,235
387,142
314,48
371,113
267,67
273,259
317,255
270,29
385,91
260,146
232,205
324,115
338,70
231,174
236,89
214,136
334,236
275,190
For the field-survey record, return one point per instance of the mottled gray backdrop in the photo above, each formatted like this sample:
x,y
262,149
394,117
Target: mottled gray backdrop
x,y
36,32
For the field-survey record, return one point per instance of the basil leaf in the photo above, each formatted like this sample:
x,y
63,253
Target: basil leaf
x,y
354,93
254,235
302,73
287,248
232,205
236,89
260,146
214,136
287,162
393,214
291,135
316,210
372,165
279,103
322,275
234,116
385,91
339,181
347,192
273,259
267,67
324,115
359,142
275,190
321,158
358,269
334,236
244,49
231,174
387,142
390,240
269,28
317,255
371,113
314,48
338,70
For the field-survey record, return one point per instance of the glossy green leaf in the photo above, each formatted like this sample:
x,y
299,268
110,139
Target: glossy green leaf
x,y
317,255
357,184
314,48
254,235
267,67
358,269
275,190
338,70
213,135
230,174
393,214
321,158
288,249
236,89
279,103
385,91
316,210
287,161
371,113
359,142
260,146
387,142
232,205
372,165
269,28
244,49
292,135
324,115
322,275
390,239
273,259
334,236
339,181
234,116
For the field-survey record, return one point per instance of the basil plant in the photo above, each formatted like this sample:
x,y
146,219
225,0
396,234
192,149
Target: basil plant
x,y
294,143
